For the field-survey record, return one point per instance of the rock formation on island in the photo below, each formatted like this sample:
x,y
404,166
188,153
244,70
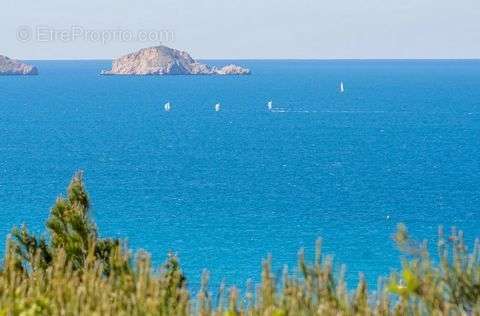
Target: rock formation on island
x,y
162,60
10,66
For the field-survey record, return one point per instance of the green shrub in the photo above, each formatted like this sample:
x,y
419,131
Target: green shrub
x,y
73,271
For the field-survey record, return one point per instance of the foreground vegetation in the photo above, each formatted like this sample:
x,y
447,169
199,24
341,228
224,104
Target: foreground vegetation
x,y
75,272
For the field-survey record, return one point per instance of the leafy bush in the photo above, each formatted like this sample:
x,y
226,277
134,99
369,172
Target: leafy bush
x,y
73,271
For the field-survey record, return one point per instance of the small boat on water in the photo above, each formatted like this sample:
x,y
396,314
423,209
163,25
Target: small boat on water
x,y
342,88
217,107
270,105
167,107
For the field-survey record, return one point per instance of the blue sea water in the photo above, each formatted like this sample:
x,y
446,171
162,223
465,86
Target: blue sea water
x,y
223,190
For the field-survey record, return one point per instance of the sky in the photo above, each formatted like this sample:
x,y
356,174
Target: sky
x,y
242,29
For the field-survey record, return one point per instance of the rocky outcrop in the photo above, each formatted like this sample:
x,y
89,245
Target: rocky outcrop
x,y
10,66
162,60
233,70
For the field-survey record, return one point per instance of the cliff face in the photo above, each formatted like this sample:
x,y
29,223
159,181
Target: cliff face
x,y
162,60
14,67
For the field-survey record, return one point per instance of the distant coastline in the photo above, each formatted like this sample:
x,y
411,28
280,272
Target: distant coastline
x,y
13,67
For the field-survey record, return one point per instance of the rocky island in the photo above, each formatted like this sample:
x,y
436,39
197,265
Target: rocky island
x,y
10,66
162,60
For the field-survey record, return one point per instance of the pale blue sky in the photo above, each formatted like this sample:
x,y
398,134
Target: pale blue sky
x,y
252,28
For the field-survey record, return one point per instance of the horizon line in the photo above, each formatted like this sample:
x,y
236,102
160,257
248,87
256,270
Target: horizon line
x,y
281,59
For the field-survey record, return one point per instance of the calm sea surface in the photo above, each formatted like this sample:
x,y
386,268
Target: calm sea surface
x,y
223,190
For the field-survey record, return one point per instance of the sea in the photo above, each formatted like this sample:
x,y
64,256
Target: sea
x,y
224,190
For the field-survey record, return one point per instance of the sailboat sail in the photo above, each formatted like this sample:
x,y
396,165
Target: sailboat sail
x,y
167,107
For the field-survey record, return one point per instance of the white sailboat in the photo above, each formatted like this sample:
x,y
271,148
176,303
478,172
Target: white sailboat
x,y
167,107
270,105
342,88
217,107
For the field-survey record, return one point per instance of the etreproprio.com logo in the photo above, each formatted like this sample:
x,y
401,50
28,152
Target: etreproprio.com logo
x,y
44,33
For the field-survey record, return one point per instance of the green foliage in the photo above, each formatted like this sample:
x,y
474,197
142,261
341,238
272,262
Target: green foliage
x,y
72,271
70,229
